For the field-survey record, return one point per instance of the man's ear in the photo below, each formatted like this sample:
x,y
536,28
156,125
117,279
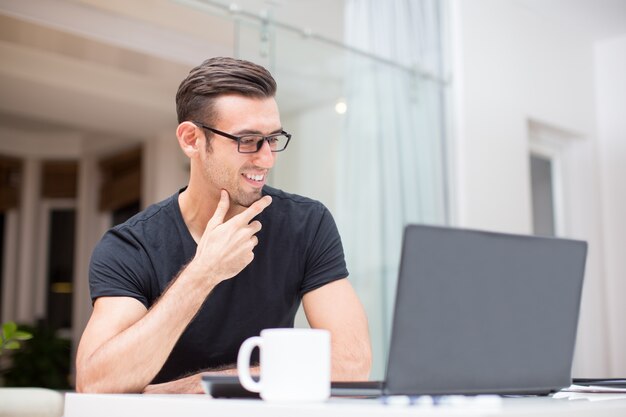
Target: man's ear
x,y
189,138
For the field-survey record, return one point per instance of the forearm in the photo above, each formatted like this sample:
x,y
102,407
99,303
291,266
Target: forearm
x,y
351,359
191,384
336,307
144,346
187,385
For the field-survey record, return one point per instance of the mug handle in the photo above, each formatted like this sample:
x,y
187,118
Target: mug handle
x,y
243,363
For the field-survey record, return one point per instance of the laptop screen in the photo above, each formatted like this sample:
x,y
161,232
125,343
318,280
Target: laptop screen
x,y
481,312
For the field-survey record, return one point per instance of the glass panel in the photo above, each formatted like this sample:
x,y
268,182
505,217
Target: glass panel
x,y
377,161
310,77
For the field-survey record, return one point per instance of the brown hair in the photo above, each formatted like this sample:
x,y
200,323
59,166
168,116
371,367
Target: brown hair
x,y
219,76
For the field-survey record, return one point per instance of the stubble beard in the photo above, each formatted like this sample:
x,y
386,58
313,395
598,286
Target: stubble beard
x,y
224,177
245,199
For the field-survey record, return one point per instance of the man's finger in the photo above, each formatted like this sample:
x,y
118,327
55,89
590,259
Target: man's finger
x,y
220,211
256,208
254,227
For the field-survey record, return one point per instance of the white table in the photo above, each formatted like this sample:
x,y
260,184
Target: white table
x,y
133,405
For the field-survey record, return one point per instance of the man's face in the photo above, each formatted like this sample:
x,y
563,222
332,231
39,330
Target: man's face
x,y
242,175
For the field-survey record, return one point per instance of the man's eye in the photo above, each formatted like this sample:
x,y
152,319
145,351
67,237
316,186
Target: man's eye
x,y
248,140
274,140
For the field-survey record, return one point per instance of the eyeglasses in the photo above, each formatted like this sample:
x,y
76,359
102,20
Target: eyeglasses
x,y
252,143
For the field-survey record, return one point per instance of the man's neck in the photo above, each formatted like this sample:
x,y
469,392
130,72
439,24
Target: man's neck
x,y
197,206
196,213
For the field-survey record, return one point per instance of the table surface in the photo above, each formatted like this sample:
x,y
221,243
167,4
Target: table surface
x,y
122,405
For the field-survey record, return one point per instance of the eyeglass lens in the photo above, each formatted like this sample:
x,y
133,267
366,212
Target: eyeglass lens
x,y
250,144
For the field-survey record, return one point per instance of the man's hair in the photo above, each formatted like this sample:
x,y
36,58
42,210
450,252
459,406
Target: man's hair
x,y
195,99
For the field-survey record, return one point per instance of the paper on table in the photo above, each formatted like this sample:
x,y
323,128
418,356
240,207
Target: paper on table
x,y
591,393
588,396
595,389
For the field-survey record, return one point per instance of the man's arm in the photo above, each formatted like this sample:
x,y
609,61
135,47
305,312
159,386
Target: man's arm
x,y
192,384
188,385
336,307
124,345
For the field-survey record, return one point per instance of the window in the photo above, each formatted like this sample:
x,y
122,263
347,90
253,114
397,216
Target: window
x,y
122,214
1,255
60,267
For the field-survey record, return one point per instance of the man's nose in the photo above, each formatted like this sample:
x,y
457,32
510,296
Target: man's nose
x,y
264,157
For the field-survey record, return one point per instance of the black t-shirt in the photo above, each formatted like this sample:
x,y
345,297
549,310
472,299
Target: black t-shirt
x,y
299,250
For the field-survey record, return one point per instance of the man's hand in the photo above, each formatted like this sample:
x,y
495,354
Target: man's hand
x,y
227,247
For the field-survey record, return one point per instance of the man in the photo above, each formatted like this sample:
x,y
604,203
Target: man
x,y
178,287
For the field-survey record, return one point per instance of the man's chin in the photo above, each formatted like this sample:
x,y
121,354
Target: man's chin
x,y
247,199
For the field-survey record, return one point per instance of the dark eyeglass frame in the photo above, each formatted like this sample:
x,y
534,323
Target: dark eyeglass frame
x,y
237,139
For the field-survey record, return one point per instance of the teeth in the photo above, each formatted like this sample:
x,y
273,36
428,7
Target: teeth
x,y
255,177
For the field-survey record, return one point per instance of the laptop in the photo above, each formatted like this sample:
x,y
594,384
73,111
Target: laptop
x,y
481,313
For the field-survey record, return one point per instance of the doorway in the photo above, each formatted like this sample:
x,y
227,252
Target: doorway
x,y
542,193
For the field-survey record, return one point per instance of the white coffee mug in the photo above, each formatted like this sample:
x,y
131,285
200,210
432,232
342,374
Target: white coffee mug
x,y
295,364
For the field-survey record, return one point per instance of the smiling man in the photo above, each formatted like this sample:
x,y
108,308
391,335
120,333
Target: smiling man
x,y
178,287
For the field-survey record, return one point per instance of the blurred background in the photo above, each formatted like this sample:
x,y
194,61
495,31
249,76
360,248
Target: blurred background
x,y
504,115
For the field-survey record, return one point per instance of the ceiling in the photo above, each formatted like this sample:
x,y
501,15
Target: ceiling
x,y
81,69
112,67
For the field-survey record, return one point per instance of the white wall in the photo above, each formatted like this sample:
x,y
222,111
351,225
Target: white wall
x,y
512,67
610,78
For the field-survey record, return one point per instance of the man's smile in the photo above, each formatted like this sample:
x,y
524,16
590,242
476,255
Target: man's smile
x,y
255,179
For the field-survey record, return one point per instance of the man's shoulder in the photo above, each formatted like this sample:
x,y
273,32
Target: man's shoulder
x,y
154,216
299,215
288,199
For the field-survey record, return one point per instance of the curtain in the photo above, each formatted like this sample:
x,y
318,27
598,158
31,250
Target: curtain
x,y
391,161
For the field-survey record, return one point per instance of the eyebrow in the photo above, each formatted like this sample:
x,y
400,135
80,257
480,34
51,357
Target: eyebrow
x,y
256,132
